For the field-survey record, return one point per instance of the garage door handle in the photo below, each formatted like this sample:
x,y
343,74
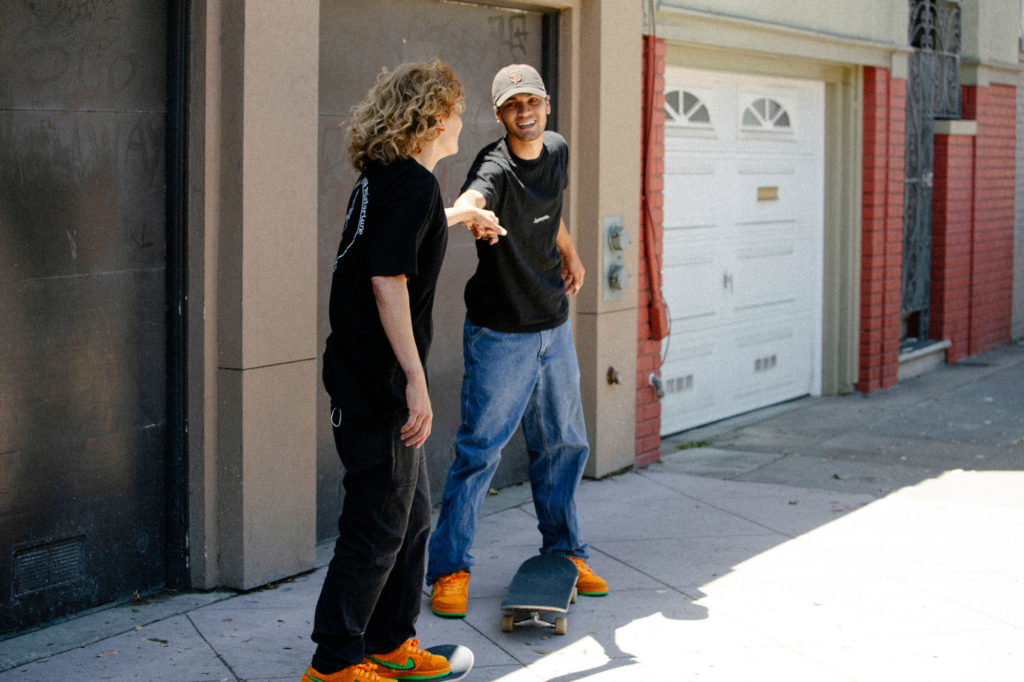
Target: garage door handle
x,y
727,281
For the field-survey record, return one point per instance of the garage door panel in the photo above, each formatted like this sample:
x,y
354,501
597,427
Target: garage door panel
x,y
688,281
768,276
690,382
686,190
768,194
768,363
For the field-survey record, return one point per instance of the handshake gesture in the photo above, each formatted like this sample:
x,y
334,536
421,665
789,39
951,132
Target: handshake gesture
x,y
468,209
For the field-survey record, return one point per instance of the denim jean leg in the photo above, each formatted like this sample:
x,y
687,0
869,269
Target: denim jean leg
x,y
556,439
381,482
500,372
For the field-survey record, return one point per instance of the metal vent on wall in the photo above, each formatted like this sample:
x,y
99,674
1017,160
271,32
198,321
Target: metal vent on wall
x,y
51,565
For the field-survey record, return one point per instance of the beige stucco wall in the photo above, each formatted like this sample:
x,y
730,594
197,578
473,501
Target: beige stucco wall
x,y
252,291
605,181
868,33
883,21
989,42
990,29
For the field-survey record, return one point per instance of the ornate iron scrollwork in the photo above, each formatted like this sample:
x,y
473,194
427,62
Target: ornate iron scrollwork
x,y
933,91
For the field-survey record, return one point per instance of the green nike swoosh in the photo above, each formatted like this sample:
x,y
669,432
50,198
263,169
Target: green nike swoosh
x,y
409,664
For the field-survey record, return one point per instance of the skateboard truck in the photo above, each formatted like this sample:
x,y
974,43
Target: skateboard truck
x,y
561,624
544,584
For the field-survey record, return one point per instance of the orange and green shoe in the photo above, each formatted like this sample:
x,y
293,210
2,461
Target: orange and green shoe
x,y
588,583
409,662
364,672
449,595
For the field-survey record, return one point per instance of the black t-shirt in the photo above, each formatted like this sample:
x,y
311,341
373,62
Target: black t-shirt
x,y
517,286
395,225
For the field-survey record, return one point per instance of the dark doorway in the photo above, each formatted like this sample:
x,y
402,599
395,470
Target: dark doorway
x,y
84,428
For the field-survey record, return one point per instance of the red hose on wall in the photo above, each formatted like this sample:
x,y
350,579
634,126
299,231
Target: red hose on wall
x,y
659,327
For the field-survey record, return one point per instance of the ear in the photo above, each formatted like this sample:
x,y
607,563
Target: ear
x,y
497,116
547,102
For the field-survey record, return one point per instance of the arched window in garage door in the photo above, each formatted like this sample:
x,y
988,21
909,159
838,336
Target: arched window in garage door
x,y
768,115
684,109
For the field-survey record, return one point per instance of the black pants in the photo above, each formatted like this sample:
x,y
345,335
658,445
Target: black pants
x,y
371,596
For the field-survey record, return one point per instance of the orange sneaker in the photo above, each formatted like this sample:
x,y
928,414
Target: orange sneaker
x,y
449,595
588,584
364,672
409,662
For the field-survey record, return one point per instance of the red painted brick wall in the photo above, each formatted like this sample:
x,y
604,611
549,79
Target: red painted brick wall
x,y
991,292
881,228
952,218
648,406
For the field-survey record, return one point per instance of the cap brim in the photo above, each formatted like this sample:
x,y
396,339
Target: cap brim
x,y
517,91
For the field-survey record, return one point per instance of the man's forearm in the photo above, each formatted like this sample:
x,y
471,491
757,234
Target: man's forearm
x,y
564,242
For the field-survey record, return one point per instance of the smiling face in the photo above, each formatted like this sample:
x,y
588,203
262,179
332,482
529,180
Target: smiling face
x,y
524,116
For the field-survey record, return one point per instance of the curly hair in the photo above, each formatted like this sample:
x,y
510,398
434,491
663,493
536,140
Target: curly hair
x,y
402,111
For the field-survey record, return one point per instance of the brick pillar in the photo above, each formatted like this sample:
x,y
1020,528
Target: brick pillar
x,y
952,220
881,228
648,406
991,244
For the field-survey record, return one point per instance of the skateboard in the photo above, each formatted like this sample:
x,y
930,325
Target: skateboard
x,y
543,584
460,658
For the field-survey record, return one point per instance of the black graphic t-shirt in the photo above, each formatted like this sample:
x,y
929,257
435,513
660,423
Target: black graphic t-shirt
x,y
395,225
517,286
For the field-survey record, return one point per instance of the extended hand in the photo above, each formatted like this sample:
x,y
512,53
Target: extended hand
x,y
484,225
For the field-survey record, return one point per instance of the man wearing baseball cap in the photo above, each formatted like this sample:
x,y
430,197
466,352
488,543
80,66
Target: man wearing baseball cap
x,y
520,360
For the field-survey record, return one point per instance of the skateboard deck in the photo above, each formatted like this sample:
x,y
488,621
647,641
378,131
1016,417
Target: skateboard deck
x,y
460,658
544,584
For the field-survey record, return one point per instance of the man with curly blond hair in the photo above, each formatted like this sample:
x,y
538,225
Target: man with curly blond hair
x,y
382,295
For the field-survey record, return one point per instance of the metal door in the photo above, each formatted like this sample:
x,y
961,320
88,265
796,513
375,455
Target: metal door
x,y
82,272
476,40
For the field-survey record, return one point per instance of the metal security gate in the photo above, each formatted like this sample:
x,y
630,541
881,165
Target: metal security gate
x,y
933,91
85,469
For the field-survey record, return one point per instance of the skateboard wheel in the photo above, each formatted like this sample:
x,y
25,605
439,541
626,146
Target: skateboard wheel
x,y
561,625
572,599
507,622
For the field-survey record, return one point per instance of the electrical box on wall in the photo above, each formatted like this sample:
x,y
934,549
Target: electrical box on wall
x,y
616,241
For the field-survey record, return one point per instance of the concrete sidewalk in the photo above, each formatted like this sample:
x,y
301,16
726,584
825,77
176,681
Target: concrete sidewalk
x,y
853,538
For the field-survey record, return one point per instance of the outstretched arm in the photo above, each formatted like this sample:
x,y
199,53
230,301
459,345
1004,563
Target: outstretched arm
x,y
469,210
392,297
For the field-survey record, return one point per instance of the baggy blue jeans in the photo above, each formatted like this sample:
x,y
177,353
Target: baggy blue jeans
x,y
533,378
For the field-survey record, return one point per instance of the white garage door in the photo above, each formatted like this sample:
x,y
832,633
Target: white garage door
x,y
743,243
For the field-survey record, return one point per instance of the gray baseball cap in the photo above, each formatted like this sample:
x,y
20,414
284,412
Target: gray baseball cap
x,y
514,79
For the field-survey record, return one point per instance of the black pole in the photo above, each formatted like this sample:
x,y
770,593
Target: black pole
x,y
176,145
